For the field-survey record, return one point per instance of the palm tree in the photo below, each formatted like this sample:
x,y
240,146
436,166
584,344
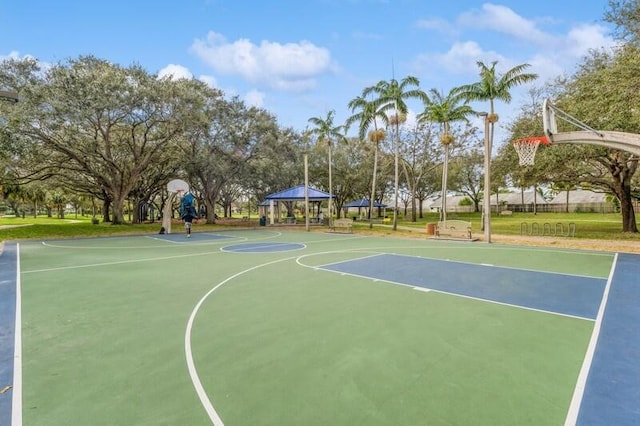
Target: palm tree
x,y
444,110
493,86
368,116
392,95
326,132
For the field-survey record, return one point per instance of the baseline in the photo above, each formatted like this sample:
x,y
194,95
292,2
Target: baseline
x,y
613,383
9,335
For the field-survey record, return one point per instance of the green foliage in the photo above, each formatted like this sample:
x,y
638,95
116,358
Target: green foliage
x,y
466,201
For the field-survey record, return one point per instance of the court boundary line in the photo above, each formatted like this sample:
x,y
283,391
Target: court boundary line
x,y
581,383
256,248
492,265
16,398
172,245
164,240
121,262
325,265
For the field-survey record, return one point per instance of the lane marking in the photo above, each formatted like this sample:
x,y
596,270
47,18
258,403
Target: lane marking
x,y
578,393
16,400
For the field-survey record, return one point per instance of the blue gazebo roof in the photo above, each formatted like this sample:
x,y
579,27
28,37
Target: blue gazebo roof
x,y
363,202
297,193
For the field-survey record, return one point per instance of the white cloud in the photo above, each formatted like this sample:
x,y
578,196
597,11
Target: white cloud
x,y
290,66
462,57
575,43
254,98
15,55
175,72
547,67
582,38
504,20
209,80
550,55
439,25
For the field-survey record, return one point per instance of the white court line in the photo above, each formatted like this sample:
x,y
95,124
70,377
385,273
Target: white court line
x,y
255,249
326,265
16,400
172,245
491,265
193,373
229,234
578,393
164,240
120,262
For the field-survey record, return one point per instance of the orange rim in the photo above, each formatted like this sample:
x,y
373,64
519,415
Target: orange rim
x,y
533,139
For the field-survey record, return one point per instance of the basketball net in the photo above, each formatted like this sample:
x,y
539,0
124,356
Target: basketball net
x,y
527,148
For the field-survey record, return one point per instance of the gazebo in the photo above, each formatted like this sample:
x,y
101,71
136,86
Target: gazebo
x,y
272,202
362,203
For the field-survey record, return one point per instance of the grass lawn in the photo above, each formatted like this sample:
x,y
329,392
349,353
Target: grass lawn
x,y
598,226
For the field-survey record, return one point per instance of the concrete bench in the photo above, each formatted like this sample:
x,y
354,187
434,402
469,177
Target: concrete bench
x,y
341,224
454,228
506,213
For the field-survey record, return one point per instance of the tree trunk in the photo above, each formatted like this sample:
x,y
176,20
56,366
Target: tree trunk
x,y
628,215
118,210
106,208
622,176
137,210
211,210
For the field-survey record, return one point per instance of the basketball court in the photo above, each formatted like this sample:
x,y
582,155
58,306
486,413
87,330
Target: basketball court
x,y
288,328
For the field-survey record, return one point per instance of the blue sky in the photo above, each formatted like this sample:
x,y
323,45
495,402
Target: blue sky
x,y
301,58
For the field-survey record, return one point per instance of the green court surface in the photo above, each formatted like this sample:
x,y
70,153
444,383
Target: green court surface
x,y
261,327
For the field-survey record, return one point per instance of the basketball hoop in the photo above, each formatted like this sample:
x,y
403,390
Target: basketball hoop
x,y
527,147
177,186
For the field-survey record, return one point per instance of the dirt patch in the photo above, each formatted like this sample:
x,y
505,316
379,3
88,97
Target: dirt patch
x,y
599,245
571,243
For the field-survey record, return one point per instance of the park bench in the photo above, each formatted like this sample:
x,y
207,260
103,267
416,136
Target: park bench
x,y
454,228
506,213
345,225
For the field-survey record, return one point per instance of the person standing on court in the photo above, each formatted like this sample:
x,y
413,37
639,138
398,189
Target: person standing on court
x,y
188,212
188,221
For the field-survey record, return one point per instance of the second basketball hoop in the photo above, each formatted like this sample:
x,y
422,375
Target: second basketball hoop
x,y
527,148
